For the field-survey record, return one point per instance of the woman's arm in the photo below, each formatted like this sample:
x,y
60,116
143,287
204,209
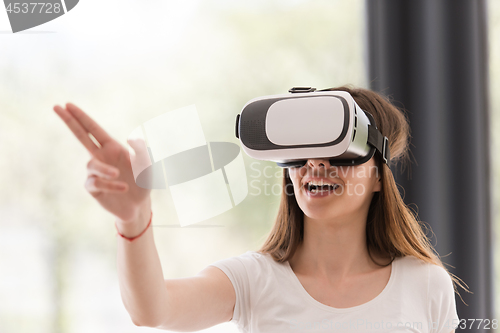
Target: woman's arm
x,y
192,303
185,304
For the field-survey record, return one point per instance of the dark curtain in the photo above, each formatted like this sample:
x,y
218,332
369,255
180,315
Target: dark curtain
x,y
430,56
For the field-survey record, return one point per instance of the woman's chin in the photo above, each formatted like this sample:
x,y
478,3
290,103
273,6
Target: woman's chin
x,y
319,213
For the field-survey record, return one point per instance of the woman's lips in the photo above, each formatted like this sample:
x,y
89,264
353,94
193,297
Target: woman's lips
x,y
320,190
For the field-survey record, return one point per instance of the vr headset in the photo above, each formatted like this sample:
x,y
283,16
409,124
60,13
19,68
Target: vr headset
x,y
291,128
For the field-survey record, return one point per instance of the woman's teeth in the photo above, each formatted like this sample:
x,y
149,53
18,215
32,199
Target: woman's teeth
x,y
318,187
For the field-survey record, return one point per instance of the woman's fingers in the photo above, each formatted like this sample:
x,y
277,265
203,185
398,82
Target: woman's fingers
x,y
81,134
96,185
89,124
83,126
97,168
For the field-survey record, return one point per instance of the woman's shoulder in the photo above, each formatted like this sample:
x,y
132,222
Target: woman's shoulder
x,y
439,290
259,260
421,269
252,261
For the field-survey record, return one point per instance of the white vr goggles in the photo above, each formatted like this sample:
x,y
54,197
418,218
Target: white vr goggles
x,y
291,128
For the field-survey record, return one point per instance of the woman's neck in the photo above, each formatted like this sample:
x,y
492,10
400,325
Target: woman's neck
x,y
334,250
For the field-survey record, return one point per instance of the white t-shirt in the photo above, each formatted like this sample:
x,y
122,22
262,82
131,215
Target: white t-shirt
x,y
419,297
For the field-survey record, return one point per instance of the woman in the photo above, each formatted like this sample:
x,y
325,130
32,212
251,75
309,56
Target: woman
x,y
350,258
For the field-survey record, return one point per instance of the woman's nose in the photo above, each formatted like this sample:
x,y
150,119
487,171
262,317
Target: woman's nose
x,y
318,163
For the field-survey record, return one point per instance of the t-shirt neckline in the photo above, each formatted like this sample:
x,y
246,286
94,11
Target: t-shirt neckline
x,y
328,308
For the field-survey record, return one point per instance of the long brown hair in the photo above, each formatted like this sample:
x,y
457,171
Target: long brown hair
x,y
392,227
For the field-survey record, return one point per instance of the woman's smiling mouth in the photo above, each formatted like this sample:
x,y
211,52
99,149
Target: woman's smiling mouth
x,y
315,188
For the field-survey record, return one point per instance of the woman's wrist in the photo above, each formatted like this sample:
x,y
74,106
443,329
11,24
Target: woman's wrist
x,y
136,225
129,238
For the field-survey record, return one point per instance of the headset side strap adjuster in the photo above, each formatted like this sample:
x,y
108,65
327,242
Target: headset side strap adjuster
x,y
380,142
385,152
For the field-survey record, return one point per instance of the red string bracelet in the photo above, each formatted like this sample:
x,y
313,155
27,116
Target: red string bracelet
x,y
132,238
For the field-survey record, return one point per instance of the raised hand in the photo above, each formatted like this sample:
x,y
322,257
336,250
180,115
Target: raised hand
x,y
110,179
